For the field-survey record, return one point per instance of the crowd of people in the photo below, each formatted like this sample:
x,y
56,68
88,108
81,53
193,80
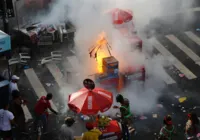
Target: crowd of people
x,y
12,115
167,132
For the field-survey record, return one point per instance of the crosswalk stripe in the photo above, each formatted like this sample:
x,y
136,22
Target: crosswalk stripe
x,y
37,85
27,113
196,9
184,48
176,63
193,37
188,10
167,79
74,62
57,74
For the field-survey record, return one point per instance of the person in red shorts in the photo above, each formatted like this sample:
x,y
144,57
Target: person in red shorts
x,y
41,110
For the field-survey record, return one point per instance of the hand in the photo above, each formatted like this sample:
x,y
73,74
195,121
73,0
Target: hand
x,y
115,107
15,125
56,113
24,102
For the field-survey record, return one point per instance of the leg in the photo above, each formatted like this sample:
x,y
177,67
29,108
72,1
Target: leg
x,y
125,132
8,135
44,122
37,119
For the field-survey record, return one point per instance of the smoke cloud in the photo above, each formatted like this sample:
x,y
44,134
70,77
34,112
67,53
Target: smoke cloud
x,y
90,19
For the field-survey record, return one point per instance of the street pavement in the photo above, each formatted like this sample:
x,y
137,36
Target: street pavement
x,y
185,73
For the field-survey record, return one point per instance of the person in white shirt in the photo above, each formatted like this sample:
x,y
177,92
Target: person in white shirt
x,y
6,118
13,85
66,131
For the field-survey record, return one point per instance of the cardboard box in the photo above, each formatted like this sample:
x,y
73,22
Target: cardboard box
x,y
101,76
110,71
108,81
105,76
110,62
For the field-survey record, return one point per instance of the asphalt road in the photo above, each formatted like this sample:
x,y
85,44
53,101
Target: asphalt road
x,y
146,129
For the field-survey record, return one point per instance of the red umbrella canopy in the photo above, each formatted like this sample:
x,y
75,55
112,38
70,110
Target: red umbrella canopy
x,y
120,16
90,102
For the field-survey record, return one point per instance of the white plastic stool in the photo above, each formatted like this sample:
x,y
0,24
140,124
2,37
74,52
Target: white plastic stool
x,y
46,60
56,55
13,61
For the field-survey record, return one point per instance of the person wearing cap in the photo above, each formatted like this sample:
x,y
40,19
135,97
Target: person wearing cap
x,y
192,126
66,131
13,85
168,130
92,133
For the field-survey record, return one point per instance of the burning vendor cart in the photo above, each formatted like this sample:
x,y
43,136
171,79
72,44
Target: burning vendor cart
x,y
109,75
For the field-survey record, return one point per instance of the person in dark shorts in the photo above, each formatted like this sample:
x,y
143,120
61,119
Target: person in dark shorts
x,y
41,110
126,115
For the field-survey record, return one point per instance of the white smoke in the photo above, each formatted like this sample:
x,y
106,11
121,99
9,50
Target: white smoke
x,y
89,19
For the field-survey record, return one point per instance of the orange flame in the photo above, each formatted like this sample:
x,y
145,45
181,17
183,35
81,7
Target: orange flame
x,y
102,52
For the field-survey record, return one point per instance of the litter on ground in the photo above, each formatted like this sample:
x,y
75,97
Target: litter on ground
x,y
182,99
48,84
155,116
181,75
143,118
177,96
160,105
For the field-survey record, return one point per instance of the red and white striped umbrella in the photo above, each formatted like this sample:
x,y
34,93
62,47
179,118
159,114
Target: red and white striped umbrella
x,y
90,102
120,16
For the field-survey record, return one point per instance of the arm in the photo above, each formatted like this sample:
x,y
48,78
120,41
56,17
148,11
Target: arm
x,y
13,122
52,110
188,126
161,135
11,118
122,110
116,107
